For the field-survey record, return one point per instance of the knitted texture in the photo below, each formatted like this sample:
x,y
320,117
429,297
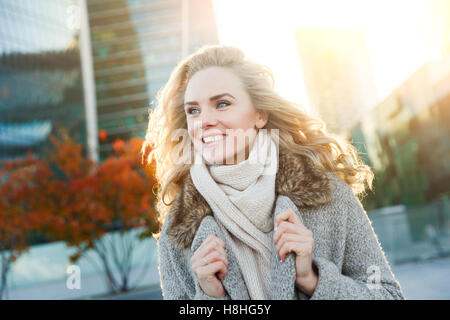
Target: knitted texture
x,y
250,184
349,258
242,198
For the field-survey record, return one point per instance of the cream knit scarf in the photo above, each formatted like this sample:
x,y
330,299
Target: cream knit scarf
x,y
241,197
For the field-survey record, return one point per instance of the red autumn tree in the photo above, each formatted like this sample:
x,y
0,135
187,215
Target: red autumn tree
x,y
66,196
19,198
114,197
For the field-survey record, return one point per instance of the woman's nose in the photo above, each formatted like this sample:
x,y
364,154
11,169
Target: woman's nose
x,y
208,118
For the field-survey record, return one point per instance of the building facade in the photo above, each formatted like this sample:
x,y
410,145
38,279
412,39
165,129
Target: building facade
x,y
405,140
136,44
40,76
338,75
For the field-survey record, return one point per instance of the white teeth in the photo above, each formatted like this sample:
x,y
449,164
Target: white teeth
x,y
213,138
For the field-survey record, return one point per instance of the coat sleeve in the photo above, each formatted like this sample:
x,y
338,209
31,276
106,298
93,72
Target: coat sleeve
x,y
176,277
172,284
366,273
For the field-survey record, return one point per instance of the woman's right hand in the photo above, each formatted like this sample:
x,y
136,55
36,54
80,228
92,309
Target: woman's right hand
x,y
209,263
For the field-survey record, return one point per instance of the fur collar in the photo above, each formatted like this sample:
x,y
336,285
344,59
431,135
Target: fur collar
x,y
296,178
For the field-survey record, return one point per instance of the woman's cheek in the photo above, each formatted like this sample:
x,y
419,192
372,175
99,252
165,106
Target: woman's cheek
x,y
236,145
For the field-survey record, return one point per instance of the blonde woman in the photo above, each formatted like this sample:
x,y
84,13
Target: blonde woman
x,y
256,200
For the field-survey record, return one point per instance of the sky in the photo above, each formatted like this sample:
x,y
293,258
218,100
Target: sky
x,y
398,34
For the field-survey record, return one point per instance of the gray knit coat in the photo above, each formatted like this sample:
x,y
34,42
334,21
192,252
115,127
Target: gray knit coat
x,y
347,254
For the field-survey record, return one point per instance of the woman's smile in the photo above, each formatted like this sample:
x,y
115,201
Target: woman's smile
x,y
213,141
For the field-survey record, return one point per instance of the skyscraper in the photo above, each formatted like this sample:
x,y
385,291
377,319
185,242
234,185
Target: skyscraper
x,y
40,76
338,75
136,44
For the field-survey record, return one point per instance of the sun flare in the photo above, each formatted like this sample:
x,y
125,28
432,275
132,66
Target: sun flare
x,y
399,36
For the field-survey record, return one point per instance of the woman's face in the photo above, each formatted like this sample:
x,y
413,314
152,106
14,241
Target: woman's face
x,y
217,106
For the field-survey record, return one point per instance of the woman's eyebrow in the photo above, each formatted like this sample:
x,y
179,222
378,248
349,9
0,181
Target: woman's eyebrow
x,y
210,99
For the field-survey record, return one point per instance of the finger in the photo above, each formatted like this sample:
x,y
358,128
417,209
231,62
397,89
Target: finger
x,y
288,227
198,259
285,249
210,270
296,247
214,255
283,228
218,249
212,238
288,215
286,237
208,245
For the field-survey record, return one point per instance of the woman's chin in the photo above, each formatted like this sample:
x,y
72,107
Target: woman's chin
x,y
214,160
218,159
216,156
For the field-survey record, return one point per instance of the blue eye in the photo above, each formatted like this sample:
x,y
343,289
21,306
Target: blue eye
x,y
219,103
190,109
223,102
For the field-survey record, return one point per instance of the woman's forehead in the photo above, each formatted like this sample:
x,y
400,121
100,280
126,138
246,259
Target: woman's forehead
x,y
212,81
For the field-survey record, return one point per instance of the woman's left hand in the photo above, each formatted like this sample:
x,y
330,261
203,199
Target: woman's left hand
x,y
291,235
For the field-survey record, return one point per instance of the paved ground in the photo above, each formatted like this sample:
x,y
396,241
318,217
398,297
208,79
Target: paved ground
x,y
145,294
419,280
424,280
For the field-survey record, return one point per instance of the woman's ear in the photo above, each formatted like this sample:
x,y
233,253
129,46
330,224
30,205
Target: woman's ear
x,y
262,119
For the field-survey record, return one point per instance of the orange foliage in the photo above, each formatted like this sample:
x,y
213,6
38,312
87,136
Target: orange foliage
x,y
118,145
72,198
19,197
114,194
102,135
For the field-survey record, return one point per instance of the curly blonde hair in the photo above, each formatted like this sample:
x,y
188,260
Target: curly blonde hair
x,y
299,132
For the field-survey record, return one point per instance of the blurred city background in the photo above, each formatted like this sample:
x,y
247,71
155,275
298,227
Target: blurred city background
x,y
77,78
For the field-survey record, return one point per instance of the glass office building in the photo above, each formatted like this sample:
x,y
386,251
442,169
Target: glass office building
x,y
405,140
338,75
40,75
135,45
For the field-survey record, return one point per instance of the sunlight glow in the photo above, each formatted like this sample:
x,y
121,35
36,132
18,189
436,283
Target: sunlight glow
x,y
399,36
